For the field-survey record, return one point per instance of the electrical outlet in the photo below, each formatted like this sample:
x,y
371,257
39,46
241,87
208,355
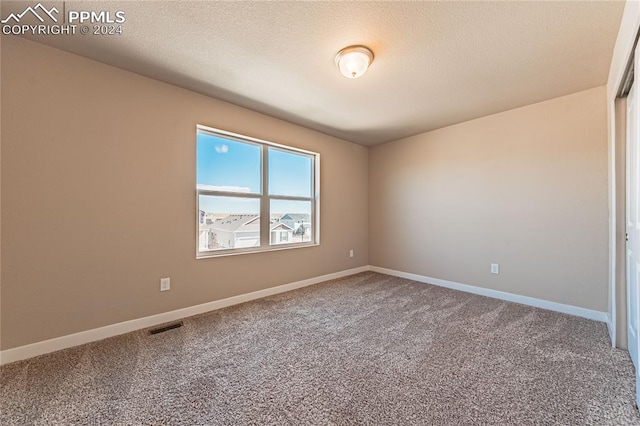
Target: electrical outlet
x,y
350,253
495,268
165,284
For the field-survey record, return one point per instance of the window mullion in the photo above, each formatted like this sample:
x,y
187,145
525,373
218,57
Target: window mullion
x,y
264,200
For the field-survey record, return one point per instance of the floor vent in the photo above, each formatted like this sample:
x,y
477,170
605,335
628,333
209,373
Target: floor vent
x,y
165,328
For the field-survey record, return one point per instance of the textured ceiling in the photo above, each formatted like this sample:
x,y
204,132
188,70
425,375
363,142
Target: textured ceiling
x,y
436,63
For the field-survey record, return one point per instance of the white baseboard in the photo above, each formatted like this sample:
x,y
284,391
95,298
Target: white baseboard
x,y
64,342
510,297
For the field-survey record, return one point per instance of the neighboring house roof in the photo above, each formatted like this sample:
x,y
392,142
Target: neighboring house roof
x,y
232,222
296,217
280,227
244,223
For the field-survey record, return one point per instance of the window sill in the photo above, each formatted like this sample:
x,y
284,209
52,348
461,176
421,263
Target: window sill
x,y
226,253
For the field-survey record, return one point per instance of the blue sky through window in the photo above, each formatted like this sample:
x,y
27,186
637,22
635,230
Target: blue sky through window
x,y
231,166
289,174
227,165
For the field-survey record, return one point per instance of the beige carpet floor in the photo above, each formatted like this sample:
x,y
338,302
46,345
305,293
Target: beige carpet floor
x,y
367,349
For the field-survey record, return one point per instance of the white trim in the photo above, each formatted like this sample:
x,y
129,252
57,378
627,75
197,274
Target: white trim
x,y
611,328
613,240
68,341
496,294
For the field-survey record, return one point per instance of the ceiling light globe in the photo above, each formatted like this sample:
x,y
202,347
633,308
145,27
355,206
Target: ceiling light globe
x,y
354,61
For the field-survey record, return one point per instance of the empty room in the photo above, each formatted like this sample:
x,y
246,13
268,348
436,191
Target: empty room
x,y
319,213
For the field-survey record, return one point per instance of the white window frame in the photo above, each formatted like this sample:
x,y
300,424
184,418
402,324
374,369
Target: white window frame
x,y
263,196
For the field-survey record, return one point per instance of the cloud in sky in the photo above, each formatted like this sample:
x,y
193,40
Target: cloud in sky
x,y
222,149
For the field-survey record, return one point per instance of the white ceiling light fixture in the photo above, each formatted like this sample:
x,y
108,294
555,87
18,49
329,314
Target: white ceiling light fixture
x,y
353,61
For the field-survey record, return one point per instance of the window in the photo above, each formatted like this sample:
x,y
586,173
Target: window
x,y
253,195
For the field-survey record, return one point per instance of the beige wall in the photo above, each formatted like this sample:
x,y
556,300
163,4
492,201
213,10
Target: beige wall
x,y
0,199
526,188
98,197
